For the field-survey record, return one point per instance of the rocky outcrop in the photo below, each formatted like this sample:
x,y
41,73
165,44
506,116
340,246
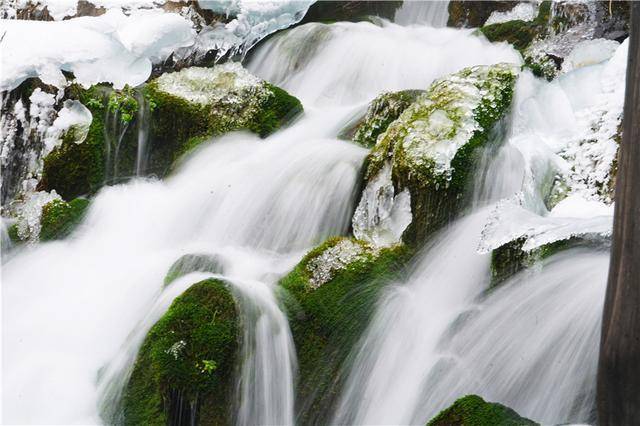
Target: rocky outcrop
x,y
472,410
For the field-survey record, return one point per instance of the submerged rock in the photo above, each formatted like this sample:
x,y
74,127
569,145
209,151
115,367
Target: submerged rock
x,y
330,296
193,262
512,257
431,146
472,410
184,371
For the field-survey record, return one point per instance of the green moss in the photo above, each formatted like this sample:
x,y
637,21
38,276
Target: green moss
x,y
382,111
59,218
179,126
510,258
185,365
520,33
472,410
275,110
73,169
193,263
124,103
327,320
13,234
436,196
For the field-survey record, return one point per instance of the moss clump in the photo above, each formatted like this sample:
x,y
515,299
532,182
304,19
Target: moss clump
x,y
472,410
60,218
210,103
328,316
473,14
520,33
510,258
277,109
124,104
13,234
75,169
382,111
432,145
185,365
193,263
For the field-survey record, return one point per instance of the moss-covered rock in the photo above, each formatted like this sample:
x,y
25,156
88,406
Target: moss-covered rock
x,y
193,262
196,103
330,297
353,11
473,14
382,111
184,371
432,145
182,108
60,218
520,33
472,410
75,169
510,258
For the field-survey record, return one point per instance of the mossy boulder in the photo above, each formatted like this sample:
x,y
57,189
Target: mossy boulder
x,y
75,169
473,14
472,410
381,112
60,218
193,262
330,297
520,33
181,109
353,11
196,103
432,146
510,258
184,372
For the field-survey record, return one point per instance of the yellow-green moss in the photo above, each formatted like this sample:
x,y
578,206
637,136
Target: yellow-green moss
x,y
186,362
472,410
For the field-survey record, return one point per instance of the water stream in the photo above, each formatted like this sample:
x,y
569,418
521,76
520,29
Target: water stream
x,y
75,312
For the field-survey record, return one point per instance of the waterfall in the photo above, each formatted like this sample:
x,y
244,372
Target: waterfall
x,y
433,13
143,121
76,311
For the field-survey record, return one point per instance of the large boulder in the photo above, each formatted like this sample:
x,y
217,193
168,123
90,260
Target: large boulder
x,y
330,296
175,112
472,410
184,372
424,159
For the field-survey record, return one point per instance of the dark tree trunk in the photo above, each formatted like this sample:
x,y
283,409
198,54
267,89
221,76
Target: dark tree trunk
x,y
618,390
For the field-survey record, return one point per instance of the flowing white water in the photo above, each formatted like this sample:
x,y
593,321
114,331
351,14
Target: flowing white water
x,y
532,344
75,311
433,13
387,376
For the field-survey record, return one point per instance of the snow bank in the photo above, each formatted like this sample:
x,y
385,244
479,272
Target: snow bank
x,y
521,12
120,48
109,48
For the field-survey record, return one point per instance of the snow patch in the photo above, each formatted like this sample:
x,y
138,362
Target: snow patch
x,y
521,12
324,267
73,117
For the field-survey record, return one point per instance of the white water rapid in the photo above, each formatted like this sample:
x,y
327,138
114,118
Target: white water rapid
x,y
75,311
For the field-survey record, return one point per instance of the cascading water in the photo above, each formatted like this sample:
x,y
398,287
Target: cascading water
x,y
532,344
76,311
432,13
